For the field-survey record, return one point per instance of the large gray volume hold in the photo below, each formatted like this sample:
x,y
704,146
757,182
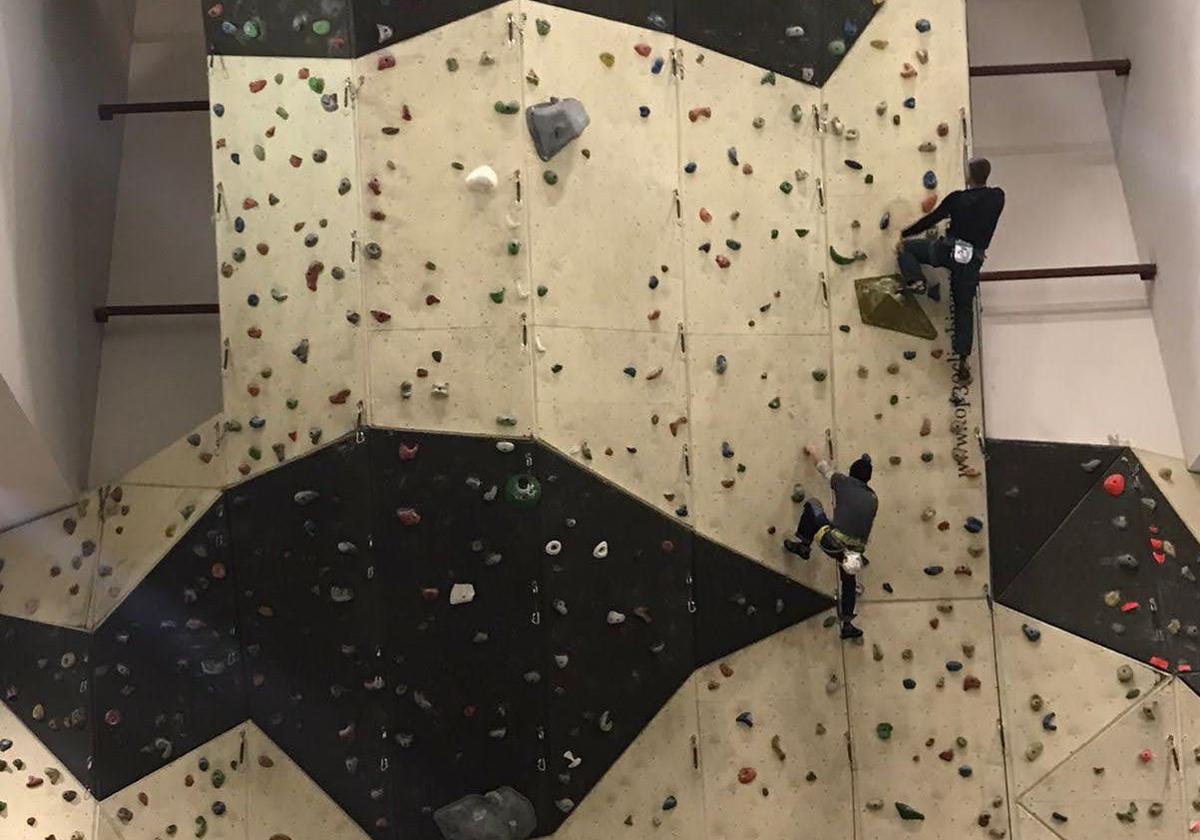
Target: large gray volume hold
x,y
554,124
501,814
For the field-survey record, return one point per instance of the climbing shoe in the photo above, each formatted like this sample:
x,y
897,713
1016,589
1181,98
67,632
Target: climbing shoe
x,y
801,549
849,631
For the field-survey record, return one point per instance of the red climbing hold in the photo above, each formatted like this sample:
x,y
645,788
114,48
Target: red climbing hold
x,y
722,261
258,85
340,397
747,775
432,300
311,275
302,73
408,516
1160,663
667,547
295,161
374,186
409,453
1129,606
929,203
381,316
1145,756
218,571
386,62
1159,558
705,216
249,204
254,332
216,10
643,50
405,114
430,594
1114,485
1156,543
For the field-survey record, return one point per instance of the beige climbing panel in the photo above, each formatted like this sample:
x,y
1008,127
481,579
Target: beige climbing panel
x,y
193,460
141,524
1189,751
793,685
1077,681
608,223
919,764
184,795
304,213
1128,763
283,800
45,802
49,565
1182,488
767,406
658,764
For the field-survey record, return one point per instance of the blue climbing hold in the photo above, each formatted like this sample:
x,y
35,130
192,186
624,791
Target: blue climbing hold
x,y
239,224
853,164
885,221
911,102
229,28
252,300
924,25
850,29
631,371
930,180
973,524
657,66
722,364
653,282
236,158
644,111
910,683
953,666
726,449
690,168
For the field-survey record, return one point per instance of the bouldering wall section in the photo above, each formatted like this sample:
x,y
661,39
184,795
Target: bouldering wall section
x,y
47,566
286,214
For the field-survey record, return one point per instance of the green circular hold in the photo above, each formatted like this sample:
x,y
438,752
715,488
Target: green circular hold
x,y
251,29
316,84
550,177
514,248
884,731
321,27
278,78
218,778
522,490
786,187
255,453
292,403
837,47
820,374
542,291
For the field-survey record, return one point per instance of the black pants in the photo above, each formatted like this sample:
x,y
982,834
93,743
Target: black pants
x,y
964,283
813,519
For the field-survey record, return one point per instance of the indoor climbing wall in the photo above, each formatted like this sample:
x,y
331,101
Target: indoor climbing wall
x,y
287,185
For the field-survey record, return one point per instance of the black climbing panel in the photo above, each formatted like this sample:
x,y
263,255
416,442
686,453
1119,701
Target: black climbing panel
x,y
648,14
43,679
622,619
1032,487
311,613
379,23
469,689
1114,546
739,601
166,664
308,28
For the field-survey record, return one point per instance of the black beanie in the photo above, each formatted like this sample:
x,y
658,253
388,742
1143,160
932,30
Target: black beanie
x,y
861,469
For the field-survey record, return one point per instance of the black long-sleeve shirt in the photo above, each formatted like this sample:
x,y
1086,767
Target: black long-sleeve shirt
x,y
973,215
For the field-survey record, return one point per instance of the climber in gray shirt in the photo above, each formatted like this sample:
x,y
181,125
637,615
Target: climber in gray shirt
x,y
845,538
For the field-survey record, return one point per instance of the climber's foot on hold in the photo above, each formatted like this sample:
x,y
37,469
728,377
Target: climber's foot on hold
x,y
916,287
849,631
801,549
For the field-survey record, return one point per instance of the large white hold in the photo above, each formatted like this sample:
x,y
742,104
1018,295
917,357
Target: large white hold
x,y
461,593
483,179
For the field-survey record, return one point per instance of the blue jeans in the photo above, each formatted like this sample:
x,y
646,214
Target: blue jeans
x,y
964,283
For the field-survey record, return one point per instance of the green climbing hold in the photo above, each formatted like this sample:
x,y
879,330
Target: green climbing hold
x,y
733,245
316,84
278,78
255,453
281,112
786,187
514,248
550,177
218,778
522,490
259,152
497,296
775,403
201,826
292,402
802,232
510,107
884,731
542,291
768,78
837,47
608,59
452,64
907,812
820,374
321,27
838,258
543,26
250,29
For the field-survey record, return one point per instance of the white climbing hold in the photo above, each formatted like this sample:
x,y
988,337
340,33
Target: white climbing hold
x,y
461,593
601,550
573,761
385,32
554,548
794,32
441,390
483,179
615,618
537,344
505,446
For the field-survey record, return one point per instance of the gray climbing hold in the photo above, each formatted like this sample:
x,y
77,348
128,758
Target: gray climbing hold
x,y
1149,504
1128,562
502,814
1125,673
306,497
554,124
1091,466
1031,633
1120,522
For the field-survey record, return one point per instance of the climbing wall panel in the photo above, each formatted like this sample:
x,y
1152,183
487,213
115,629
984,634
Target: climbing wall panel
x,y
287,181
166,663
616,401
438,251
1046,716
1028,827
48,565
1180,487
749,428
654,786
750,165
934,746
1122,781
203,793
141,525
1189,749
283,800
41,797
44,676
192,461
602,259
472,380
786,764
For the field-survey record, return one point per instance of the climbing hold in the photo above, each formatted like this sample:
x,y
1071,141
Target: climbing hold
x,y
482,179
923,25
508,108
884,731
747,775
837,47
820,374
973,525
930,180
907,812
1114,484
838,258
1031,633
1034,751
746,719
554,124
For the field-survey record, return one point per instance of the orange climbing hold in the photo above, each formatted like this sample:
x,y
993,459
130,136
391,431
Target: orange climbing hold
x,y
1114,485
643,50
696,113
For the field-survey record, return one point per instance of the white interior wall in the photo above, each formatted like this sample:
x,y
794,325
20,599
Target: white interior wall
x,y
163,252
58,173
1156,125
1064,360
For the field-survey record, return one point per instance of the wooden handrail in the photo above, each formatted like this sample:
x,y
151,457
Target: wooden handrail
x,y
1146,271
103,313
107,112
1120,66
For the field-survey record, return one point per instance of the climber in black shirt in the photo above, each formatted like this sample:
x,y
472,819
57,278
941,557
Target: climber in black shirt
x,y
974,214
844,539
